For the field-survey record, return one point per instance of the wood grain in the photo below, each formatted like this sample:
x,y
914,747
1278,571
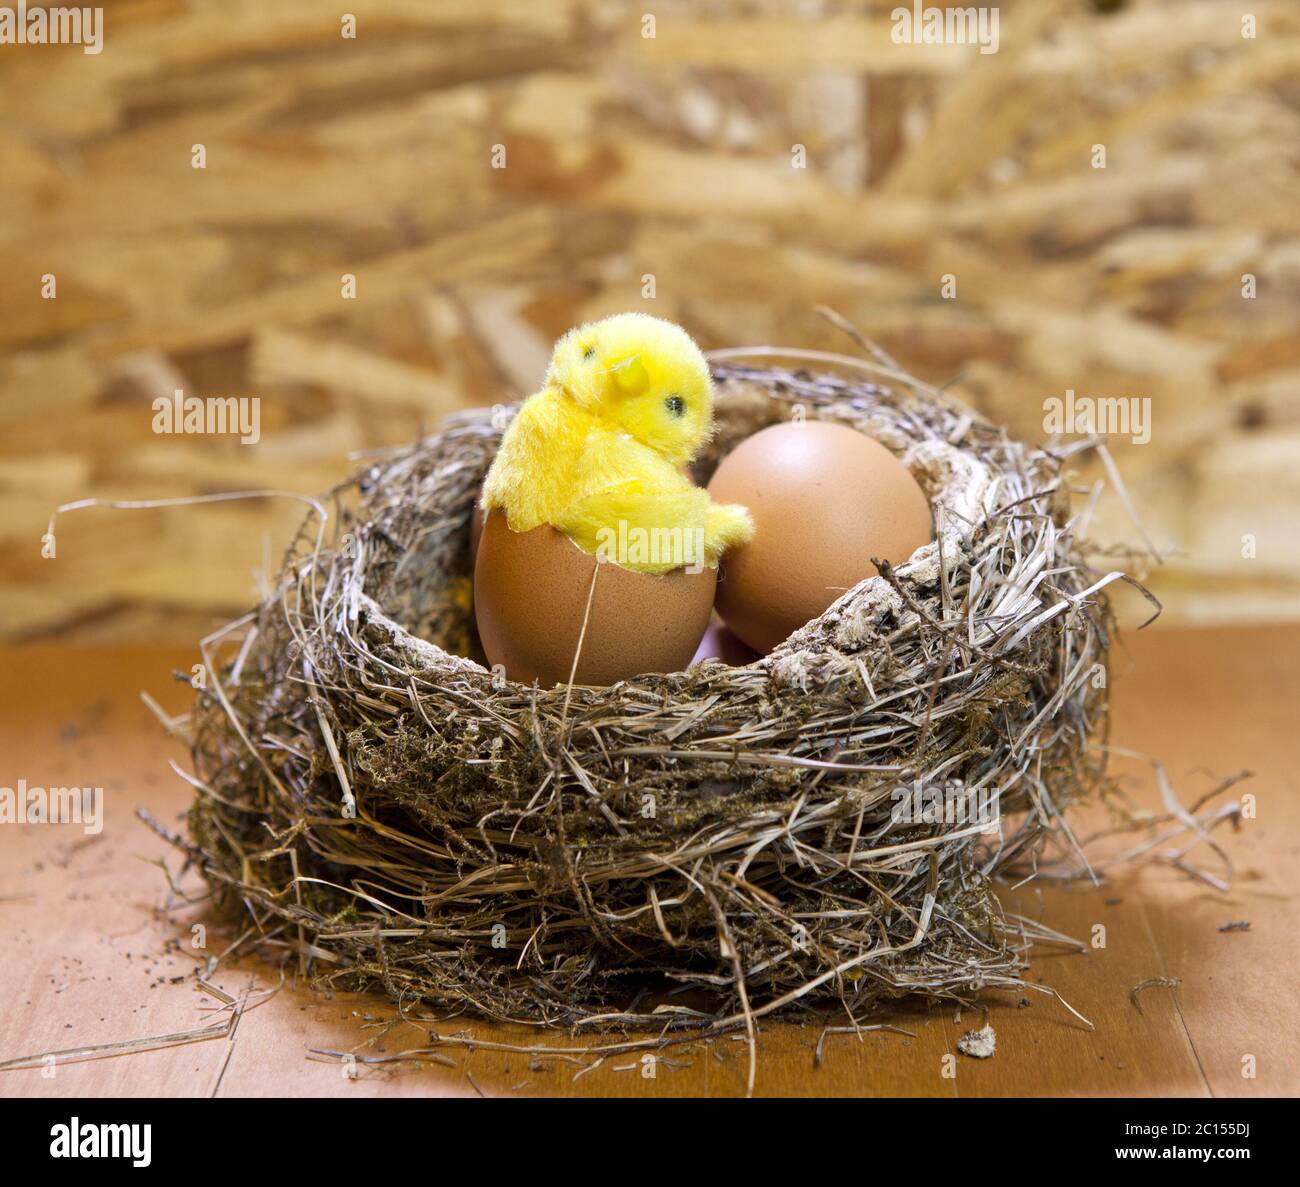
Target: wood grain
x,y
96,952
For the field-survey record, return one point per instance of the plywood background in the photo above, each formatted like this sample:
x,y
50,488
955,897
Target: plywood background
x,y
627,157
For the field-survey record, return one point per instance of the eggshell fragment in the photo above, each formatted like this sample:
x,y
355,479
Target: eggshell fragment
x,y
530,596
825,499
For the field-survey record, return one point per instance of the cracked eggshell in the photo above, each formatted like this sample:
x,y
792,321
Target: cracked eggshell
x,y
530,596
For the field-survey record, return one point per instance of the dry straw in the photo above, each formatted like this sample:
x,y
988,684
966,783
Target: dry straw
x,y
688,851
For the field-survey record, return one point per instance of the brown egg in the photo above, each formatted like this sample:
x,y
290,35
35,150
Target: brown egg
x,y
530,595
825,500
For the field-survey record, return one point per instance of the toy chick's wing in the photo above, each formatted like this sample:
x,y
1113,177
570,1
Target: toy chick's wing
x,y
644,513
648,531
727,526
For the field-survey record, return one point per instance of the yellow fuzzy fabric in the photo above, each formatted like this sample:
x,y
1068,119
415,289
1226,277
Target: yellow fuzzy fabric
x,y
599,452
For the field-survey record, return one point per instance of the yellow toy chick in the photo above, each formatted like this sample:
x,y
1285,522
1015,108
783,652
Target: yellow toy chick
x,y
599,452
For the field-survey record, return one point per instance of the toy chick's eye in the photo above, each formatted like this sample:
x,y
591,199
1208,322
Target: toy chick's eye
x,y
676,405
589,352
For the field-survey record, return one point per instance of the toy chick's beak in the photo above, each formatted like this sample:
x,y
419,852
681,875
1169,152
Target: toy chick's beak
x,y
631,375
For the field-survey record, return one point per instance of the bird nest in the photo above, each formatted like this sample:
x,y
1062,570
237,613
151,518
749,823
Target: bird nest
x,y
689,850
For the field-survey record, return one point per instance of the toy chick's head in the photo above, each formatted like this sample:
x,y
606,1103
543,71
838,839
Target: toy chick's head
x,y
642,373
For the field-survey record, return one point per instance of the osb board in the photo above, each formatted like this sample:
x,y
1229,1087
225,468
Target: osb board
x,y
96,953
627,156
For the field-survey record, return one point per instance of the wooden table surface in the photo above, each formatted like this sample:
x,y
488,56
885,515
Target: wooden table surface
x,y
94,953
